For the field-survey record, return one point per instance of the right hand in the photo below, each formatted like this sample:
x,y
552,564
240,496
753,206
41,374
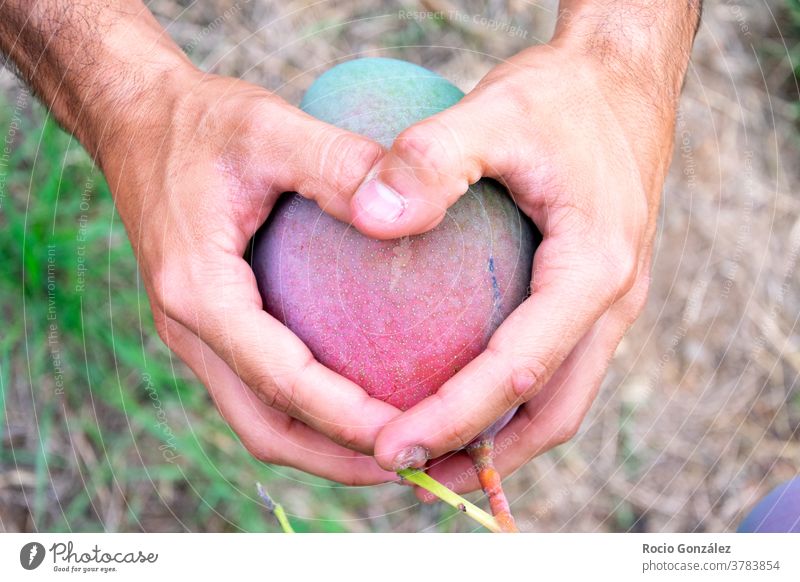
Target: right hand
x,y
195,171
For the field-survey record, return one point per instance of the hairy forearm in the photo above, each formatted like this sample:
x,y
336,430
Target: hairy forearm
x,y
637,53
95,63
642,41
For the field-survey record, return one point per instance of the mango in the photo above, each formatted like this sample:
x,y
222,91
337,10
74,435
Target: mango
x,y
399,317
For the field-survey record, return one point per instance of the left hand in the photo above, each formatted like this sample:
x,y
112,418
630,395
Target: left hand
x,y
585,154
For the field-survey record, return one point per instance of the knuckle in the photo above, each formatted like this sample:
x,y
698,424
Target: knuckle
x,y
528,373
262,449
459,435
168,295
162,326
517,95
525,380
343,156
566,431
639,295
627,269
347,435
618,270
512,90
181,289
423,146
262,109
284,396
274,396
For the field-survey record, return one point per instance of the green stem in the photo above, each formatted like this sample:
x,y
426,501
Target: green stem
x,y
280,514
422,479
275,509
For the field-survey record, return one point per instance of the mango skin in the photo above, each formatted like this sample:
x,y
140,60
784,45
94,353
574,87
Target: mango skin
x,y
778,512
397,317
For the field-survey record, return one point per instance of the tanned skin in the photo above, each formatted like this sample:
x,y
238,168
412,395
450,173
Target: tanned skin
x,y
580,129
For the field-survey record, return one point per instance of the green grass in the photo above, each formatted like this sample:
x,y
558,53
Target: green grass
x,y
93,447
792,38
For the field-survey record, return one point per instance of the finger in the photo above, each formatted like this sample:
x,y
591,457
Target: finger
x,y
575,288
275,148
555,414
226,312
271,436
550,418
429,166
326,163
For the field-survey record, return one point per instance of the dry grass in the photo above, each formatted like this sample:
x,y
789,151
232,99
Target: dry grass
x,y
700,412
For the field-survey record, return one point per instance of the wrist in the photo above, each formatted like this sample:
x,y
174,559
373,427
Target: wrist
x,y
632,115
133,112
645,47
140,76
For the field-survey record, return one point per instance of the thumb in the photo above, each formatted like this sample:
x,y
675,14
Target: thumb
x,y
322,162
429,166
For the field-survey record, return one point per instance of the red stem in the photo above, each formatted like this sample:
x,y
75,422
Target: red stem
x,y
482,453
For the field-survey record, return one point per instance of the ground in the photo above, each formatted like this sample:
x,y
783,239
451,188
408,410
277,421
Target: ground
x,y
699,414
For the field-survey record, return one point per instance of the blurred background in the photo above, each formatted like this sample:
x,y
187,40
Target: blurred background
x,y
700,413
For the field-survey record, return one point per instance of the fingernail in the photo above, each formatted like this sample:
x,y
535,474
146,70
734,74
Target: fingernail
x,y
380,201
415,456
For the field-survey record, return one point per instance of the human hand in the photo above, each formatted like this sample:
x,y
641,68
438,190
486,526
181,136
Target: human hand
x,y
585,149
195,163
193,179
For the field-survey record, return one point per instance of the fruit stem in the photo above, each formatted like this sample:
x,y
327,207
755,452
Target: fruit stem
x,y
482,453
422,479
275,509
